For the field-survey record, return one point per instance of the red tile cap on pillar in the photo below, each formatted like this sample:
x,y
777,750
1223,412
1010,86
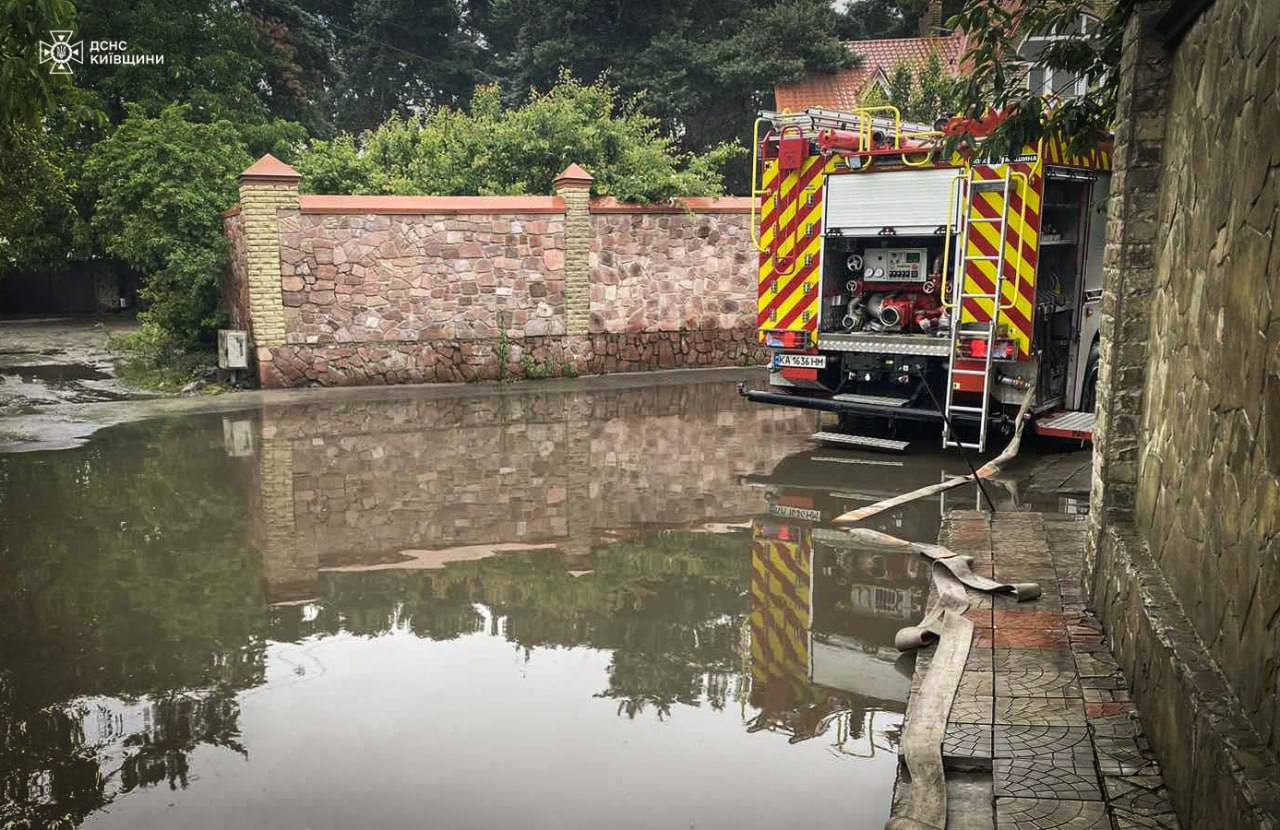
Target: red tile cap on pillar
x,y
270,169
573,176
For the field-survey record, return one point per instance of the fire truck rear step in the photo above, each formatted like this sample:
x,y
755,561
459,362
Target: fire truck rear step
x,y
1077,425
868,441
875,400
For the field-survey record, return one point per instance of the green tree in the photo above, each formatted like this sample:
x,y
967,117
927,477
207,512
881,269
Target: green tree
x,y
922,94
703,67
874,19
162,184
41,226
28,89
213,58
492,149
997,79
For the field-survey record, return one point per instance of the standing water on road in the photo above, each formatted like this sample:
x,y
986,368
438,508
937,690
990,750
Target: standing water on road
x,y
620,608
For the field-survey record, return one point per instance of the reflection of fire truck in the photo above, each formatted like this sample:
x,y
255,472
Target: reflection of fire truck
x,y
823,614
897,284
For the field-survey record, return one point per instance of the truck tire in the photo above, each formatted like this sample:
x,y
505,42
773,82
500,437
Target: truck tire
x,y
1089,397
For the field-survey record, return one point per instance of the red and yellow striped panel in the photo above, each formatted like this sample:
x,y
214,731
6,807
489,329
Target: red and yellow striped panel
x,y
1055,153
780,614
791,247
1022,240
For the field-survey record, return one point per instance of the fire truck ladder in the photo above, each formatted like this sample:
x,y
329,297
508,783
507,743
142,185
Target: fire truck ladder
x,y
987,332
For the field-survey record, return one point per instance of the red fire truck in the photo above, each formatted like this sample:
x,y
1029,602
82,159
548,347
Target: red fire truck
x,y
897,285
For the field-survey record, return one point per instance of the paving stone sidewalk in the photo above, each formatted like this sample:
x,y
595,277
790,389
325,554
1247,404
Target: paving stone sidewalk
x,y
1042,734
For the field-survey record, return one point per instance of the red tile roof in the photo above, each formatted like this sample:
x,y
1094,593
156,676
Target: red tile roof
x,y
841,90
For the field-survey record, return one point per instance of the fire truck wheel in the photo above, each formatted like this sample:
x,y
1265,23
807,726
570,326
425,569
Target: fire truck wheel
x,y
1089,396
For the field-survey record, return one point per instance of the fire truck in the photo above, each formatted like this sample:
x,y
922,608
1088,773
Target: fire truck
x,y
899,283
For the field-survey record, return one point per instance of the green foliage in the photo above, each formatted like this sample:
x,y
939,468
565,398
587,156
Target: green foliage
x,y
41,226
27,89
502,351
872,19
494,149
162,184
921,94
703,67
156,361
998,77
214,58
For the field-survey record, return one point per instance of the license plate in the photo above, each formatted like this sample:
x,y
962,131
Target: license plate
x,y
804,514
800,361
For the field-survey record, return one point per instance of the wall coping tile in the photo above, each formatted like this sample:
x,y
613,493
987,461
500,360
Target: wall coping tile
x,y
431,205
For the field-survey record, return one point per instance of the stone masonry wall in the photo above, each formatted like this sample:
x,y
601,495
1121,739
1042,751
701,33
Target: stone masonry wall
x,y
371,290
1208,498
392,280
1184,556
671,272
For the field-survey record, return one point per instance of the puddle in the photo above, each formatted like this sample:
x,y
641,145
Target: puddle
x,y
54,374
617,608
22,387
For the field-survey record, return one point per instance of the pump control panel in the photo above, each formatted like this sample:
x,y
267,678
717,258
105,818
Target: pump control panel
x,y
895,265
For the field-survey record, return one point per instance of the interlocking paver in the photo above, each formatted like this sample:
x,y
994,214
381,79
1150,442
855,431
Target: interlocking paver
x,y
971,710
1123,756
1030,618
1022,638
1042,713
1023,778
975,684
1138,795
1070,744
1045,814
1039,711
967,746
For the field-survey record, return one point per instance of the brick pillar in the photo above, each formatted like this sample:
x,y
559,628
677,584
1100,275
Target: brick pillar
x,y
268,186
574,186
1129,275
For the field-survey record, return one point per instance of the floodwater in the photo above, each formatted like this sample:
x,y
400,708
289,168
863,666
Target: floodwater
x,y
612,608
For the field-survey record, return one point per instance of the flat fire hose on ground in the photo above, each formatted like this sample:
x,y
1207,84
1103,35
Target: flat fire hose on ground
x,y
945,623
988,470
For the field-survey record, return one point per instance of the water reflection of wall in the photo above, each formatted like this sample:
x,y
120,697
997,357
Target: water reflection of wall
x,y
365,480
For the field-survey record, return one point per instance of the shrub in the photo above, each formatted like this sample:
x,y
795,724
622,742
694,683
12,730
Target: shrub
x,y
162,184
495,150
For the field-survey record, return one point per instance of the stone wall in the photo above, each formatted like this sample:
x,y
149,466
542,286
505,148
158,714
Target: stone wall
x,y
383,289
671,272
392,280
1184,556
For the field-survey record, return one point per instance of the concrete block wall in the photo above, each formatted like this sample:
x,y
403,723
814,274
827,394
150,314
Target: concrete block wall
x,y
353,290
